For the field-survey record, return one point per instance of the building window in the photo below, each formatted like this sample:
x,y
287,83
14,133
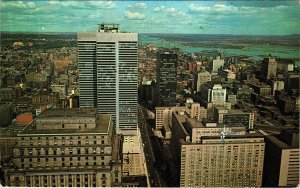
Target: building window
x,y
63,126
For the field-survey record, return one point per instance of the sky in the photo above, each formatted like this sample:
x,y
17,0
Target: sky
x,y
263,17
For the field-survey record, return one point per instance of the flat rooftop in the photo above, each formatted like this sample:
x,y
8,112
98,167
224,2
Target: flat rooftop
x,y
68,113
103,126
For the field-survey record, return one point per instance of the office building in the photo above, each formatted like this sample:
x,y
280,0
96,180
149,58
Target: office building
x,y
66,148
229,75
133,162
198,112
6,114
217,64
277,86
213,93
211,155
233,117
281,168
292,82
163,116
261,89
107,62
8,140
268,68
166,72
202,78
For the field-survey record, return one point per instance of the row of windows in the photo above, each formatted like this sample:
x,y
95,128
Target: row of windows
x,y
63,137
54,151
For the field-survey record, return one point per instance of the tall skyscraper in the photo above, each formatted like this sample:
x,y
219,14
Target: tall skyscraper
x,y
217,64
166,72
107,61
269,68
203,77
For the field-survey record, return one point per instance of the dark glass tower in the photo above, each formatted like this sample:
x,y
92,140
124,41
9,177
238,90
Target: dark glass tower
x,y
166,72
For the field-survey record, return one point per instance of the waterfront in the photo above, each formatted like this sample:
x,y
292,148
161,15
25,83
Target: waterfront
x,y
281,46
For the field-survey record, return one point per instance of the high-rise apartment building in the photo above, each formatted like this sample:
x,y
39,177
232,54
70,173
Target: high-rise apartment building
x,y
166,72
211,155
107,61
269,68
66,148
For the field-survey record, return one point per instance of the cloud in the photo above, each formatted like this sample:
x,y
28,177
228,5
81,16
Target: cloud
x,y
31,5
171,11
134,15
165,9
212,9
53,2
136,6
231,9
95,16
198,8
103,4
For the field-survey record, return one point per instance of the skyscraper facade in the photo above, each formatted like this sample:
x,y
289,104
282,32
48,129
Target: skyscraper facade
x,y
166,72
107,61
203,77
269,68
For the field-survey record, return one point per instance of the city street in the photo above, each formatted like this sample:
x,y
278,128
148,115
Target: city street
x,y
149,155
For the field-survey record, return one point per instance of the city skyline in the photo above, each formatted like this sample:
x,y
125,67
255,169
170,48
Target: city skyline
x,y
194,17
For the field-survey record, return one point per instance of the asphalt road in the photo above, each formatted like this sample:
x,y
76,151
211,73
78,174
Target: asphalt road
x,y
149,155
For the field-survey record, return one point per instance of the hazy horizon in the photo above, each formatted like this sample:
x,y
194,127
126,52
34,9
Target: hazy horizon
x,y
47,32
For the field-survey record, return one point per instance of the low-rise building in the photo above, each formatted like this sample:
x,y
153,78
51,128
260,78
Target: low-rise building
x,y
66,148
